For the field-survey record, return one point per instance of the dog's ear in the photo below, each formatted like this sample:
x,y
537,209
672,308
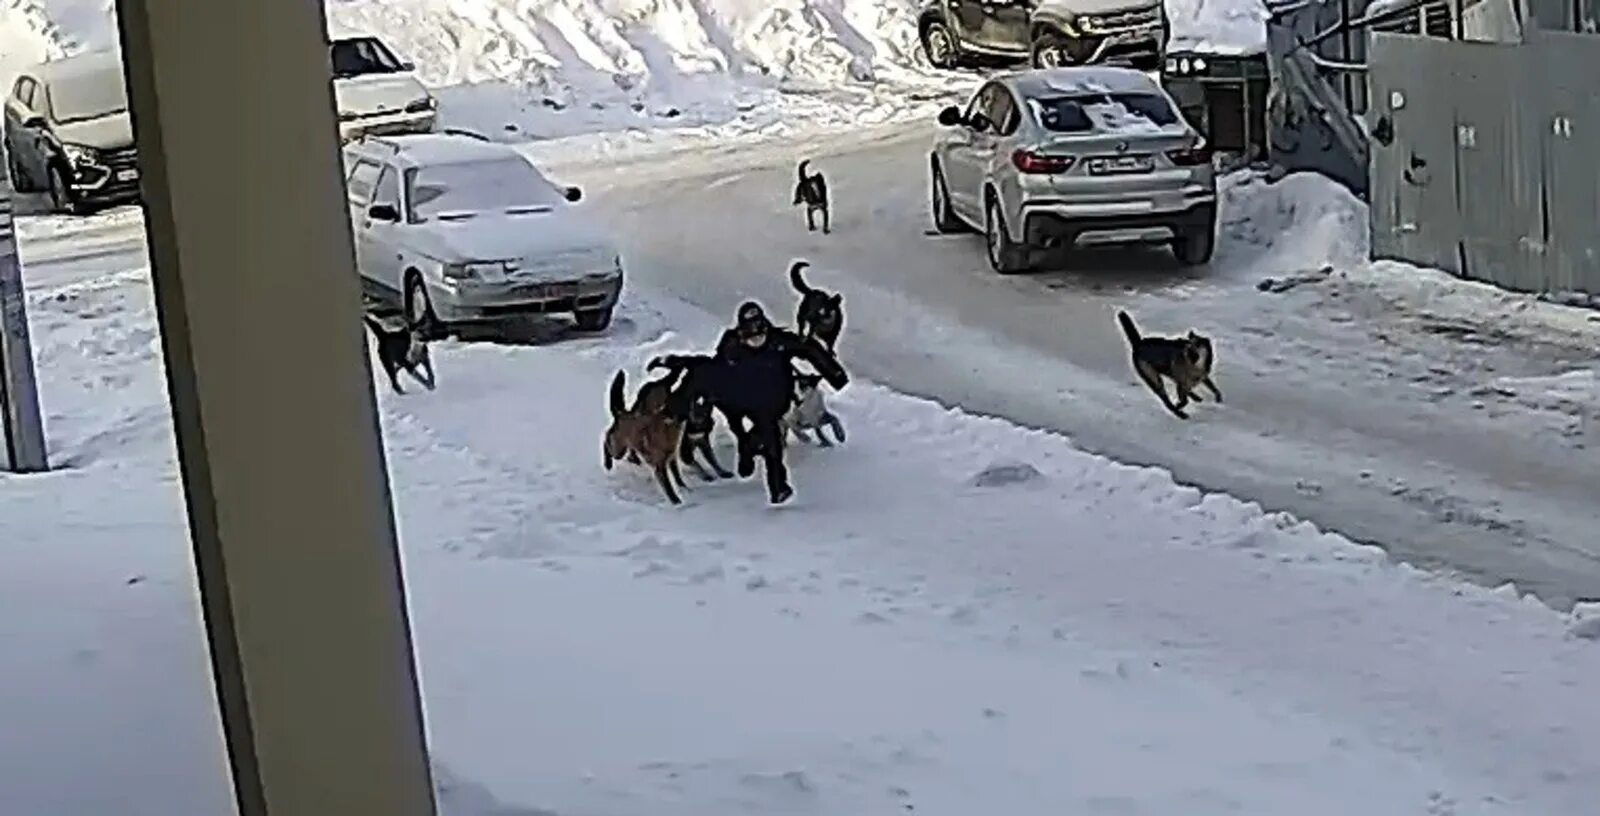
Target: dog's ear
x,y
838,299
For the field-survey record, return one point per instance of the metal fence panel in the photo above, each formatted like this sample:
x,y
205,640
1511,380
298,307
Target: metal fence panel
x,y
1569,128
1413,82
1499,167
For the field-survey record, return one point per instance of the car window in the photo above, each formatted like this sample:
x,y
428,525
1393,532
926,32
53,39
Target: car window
x,y
1081,113
85,96
1002,111
363,177
465,189
979,103
356,56
387,190
25,91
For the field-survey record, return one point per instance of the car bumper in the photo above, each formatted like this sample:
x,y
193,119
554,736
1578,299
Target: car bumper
x,y
1128,42
467,303
110,181
388,124
1047,220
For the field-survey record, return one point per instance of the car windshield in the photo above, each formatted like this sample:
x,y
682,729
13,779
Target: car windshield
x,y
363,55
469,188
1080,113
90,95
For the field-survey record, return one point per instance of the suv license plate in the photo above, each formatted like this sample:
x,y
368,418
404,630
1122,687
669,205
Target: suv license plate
x,y
1121,164
127,175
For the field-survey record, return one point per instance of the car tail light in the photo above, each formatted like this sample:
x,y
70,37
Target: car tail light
x,y
1027,161
1190,156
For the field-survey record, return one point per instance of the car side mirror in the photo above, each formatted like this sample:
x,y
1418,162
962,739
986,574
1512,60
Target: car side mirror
x,y
950,117
383,212
980,123
408,66
574,194
33,120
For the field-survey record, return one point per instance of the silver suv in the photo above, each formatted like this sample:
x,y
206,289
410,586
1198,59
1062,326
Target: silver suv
x,y
1048,33
1047,158
67,132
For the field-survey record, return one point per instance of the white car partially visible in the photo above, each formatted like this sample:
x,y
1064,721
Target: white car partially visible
x,y
454,229
375,91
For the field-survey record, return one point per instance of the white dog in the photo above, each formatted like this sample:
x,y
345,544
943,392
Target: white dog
x,y
810,413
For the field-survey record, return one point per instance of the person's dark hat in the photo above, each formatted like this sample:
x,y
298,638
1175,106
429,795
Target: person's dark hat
x,y
752,320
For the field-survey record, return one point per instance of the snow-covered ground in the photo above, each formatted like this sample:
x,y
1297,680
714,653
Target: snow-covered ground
x,y
953,615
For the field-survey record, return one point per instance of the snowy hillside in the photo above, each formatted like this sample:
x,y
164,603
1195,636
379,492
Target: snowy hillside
x,y
545,68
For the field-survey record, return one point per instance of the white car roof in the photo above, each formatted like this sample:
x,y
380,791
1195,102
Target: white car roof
x,y
85,64
1035,84
433,149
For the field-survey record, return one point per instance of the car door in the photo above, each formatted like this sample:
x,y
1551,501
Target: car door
x,y
964,167
19,139
967,20
1005,24
359,187
383,253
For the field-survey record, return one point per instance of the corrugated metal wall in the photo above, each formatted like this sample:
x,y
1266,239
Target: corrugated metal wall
x,y
1493,167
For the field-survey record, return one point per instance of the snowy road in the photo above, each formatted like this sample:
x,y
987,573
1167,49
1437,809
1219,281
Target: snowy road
x,y
1387,421
1366,415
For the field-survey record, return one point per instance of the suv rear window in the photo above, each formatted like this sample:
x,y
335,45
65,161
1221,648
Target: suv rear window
x,y
1079,113
357,56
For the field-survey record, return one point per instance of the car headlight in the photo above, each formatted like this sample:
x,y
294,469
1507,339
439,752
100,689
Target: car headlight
x,y
423,105
478,272
79,155
1088,24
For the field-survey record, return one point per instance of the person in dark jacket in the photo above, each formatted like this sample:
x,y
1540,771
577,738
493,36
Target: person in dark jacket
x,y
751,379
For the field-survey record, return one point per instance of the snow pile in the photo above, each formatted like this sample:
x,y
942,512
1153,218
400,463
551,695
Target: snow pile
x,y
1303,222
1231,28
953,616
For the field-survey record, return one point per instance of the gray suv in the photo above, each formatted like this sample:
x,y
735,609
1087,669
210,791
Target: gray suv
x,y
1047,33
1049,158
67,132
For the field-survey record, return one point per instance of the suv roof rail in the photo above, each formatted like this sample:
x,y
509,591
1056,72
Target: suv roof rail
x,y
471,134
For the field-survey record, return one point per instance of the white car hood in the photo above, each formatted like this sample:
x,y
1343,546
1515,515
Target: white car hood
x,y
105,133
377,93
558,238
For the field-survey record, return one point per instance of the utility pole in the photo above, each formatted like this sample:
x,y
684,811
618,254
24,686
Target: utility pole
x,y
19,392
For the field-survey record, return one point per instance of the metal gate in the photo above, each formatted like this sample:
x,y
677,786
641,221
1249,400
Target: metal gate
x,y
1412,161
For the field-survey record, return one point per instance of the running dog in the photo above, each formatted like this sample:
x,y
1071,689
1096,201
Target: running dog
x,y
812,191
400,350
1186,360
820,314
809,413
642,433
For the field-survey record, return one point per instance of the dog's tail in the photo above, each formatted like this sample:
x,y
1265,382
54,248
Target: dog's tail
x,y
1128,328
804,163
619,401
796,280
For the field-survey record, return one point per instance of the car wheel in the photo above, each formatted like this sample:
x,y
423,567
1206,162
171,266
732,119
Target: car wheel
x,y
418,308
940,47
1052,50
945,219
1193,247
61,198
594,320
1005,256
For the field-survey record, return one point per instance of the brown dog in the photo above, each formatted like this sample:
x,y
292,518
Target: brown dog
x,y
651,431
1187,361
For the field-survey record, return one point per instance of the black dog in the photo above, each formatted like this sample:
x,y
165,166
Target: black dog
x,y
697,439
820,314
812,191
402,350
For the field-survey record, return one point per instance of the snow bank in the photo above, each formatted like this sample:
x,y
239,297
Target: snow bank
x,y
953,616
1230,27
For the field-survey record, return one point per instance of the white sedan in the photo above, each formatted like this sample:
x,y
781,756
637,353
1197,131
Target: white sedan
x,y
457,229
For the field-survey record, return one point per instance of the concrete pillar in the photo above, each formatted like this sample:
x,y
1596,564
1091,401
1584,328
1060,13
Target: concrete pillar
x,y
277,429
